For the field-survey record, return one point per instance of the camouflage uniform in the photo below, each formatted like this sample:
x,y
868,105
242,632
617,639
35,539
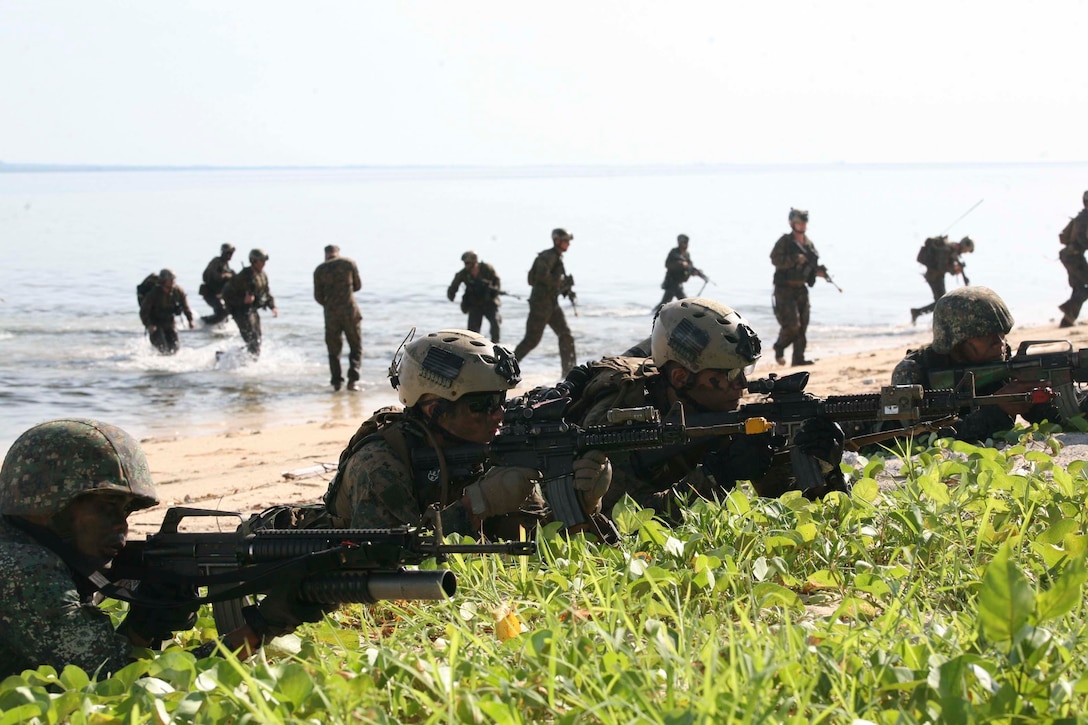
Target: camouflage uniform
x,y
678,270
1074,240
46,617
335,282
794,272
47,611
943,260
548,278
216,276
664,484
377,487
248,281
481,298
159,308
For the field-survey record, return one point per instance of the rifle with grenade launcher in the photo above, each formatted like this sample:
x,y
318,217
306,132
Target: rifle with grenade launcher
x,y
340,565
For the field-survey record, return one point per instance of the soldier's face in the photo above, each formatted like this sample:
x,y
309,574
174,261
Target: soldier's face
x,y
798,226
475,418
561,243
718,390
988,348
99,524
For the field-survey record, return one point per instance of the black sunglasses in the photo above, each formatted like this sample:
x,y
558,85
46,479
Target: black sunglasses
x,y
484,402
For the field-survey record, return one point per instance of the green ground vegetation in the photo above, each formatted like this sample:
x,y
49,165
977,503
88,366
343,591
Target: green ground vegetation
x,y
955,596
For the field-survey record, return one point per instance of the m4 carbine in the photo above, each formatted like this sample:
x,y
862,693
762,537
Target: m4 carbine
x,y
535,435
1062,370
341,565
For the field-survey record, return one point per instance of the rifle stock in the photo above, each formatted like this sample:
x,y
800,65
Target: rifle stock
x,y
1061,370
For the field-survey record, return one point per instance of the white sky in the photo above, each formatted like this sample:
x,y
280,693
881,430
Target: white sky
x,y
228,82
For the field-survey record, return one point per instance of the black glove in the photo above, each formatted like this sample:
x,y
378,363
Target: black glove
x,y
821,438
282,610
158,623
747,457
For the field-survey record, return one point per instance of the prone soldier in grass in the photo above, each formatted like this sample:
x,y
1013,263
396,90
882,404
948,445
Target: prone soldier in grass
x,y
453,385
67,488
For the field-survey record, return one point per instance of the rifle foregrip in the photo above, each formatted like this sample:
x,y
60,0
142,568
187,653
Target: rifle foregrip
x,y
346,586
563,500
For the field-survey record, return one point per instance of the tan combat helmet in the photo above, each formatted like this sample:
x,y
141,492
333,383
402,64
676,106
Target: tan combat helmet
x,y
450,364
53,463
968,312
798,215
701,334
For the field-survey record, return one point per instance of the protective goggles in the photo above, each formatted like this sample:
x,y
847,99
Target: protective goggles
x,y
484,402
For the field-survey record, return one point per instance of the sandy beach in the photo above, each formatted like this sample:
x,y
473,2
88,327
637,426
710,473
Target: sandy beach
x,y
243,470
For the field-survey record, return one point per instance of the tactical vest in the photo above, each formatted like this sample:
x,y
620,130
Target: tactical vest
x,y
620,380
386,423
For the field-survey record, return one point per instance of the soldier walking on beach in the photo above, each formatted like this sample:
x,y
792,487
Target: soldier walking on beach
x,y
1074,239
549,279
245,294
940,257
481,297
796,267
216,276
158,309
336,280
678,269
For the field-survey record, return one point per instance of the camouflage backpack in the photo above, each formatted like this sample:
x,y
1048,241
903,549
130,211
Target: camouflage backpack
x,y
927,254
615,377
150,282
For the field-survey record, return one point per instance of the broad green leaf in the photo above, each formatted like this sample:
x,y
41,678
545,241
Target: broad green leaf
x,y
771,595
294,684
74,678
866,489
1065,594
1005,600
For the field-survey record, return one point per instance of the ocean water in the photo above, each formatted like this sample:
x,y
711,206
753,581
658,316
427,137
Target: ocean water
x,y
76,244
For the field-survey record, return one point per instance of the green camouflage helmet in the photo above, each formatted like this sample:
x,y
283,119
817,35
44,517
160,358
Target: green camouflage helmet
x,y
54,462
968,312
452,363
701,334
798,215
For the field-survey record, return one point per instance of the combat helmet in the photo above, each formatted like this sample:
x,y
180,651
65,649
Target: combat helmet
x,y
967,244
1084,198
968,312
798,215
452,363
52,463
469,257
702,334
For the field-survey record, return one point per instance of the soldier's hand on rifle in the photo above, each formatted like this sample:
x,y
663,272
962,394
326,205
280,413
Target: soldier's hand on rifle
x,y
1014,388
821,271
147,625
592,477
823,439
283,610
746,457
502,490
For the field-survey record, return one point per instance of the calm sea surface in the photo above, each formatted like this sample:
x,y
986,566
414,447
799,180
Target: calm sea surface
x,y
76,244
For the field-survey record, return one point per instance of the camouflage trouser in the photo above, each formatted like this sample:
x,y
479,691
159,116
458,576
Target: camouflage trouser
x,y
219,310
791,310
672,292
936,285
249,325
1077,269
165,339
476,316
547,313
340,324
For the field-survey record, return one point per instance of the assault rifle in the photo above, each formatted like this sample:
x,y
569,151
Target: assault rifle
x,y
813,266
534,435
788,404
1061,370
341,565
566,288
477,283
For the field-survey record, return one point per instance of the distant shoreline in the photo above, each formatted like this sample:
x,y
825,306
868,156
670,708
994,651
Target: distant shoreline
x,y
535,169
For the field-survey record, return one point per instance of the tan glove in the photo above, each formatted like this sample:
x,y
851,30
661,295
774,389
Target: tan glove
x,y
592,476
501,491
